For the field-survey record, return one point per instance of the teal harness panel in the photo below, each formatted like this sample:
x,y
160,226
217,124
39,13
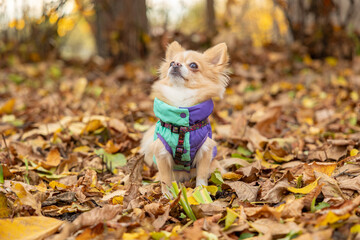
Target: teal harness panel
x,y
184,117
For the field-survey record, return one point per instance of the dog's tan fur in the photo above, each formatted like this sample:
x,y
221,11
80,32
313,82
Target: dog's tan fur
x,y
192,87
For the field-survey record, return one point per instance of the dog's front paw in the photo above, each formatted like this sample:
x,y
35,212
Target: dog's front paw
x,y
201,182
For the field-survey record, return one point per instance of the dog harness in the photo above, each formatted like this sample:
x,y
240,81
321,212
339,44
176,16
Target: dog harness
x,y
183,130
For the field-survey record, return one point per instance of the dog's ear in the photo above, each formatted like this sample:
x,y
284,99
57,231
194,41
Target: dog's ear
x,y
173,49
217,55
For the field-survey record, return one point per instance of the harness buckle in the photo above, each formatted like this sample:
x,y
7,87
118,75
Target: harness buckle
x,y
175,129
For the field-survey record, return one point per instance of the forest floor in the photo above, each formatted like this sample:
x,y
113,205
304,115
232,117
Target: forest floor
x,y
288,133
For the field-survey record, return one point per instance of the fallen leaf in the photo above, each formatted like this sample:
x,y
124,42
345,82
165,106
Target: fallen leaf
x,y
8,106
293,208
306,189
244,191
262,212
275,228
327,168
330,189
231,215
53,159
26,198
28,228
331,218
276,194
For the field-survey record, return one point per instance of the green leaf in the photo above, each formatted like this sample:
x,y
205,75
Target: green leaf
x,y
112,160
16,78
231,215
291,235
182,216
1,174
246,235
217,178
243,151
55,71
321,205
238,155
201,195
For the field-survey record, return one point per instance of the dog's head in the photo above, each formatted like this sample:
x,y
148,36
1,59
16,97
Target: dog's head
x,y
194,70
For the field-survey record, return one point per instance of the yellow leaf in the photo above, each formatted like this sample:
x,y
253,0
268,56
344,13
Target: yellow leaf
x,y
56,185
264,163
231,176
65,25
332,218
92,125
41,187
231,215
20,24
27,228
354,96
354,152
212,189
12,24
26,198
304,190
8,106
117,200
327,168
192,201
4,209
281,159
88,13
82,149
307,59
53,18
331,61
355,228
308,102
141,234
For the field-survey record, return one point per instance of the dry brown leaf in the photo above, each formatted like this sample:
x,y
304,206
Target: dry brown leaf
x,y
23,150
262,212
244,191
250,170
351,183
210,209
53,159
118,125
319,235
93,217
265,124
330,188
276,194
334,152
275,228
293,208
136,165
26,198
229,162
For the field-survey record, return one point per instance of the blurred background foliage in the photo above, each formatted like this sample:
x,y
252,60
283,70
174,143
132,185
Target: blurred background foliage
x,y
118,31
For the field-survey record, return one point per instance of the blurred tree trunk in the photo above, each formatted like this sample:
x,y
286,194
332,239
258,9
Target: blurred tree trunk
x,y
323,25
210,18
121,29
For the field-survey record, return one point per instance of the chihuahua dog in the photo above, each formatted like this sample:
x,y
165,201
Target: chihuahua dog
x,y
180,143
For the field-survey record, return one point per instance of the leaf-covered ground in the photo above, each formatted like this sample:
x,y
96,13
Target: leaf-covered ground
x,y
288,132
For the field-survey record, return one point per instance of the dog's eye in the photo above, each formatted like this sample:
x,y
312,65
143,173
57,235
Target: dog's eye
x,y
193,65
172,63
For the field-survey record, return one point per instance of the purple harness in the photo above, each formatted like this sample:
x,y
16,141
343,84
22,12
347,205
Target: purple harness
x,y
183,130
